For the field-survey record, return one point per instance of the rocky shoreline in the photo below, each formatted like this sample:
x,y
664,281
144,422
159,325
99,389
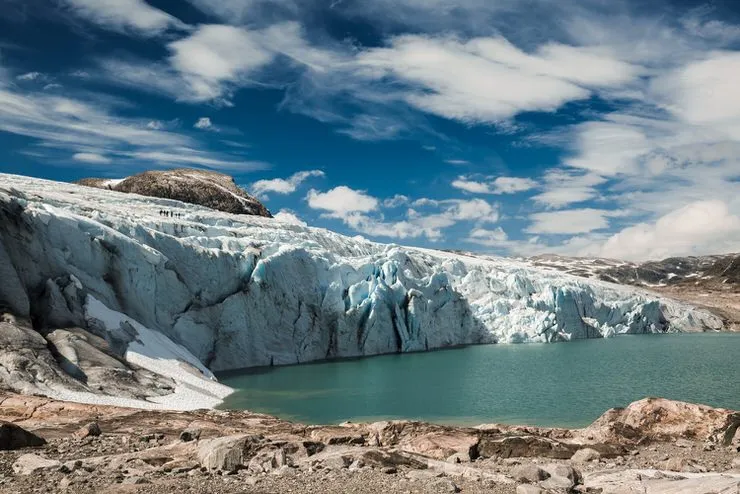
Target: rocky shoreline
x,y
652,446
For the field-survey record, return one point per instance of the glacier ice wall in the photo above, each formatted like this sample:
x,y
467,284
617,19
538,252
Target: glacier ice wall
x,y
249,291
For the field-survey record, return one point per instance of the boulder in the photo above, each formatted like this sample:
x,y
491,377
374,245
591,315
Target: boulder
x,y
567,471
440,446
557,483
658,419
677,464
15,437
29,464
190,435
88,430
523,446
528,489
380,458
584,455
529,473
228,453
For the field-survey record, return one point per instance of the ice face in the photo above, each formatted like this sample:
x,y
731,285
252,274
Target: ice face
x,y
241,291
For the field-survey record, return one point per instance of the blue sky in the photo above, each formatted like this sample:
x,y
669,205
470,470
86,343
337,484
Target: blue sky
x,y
515,127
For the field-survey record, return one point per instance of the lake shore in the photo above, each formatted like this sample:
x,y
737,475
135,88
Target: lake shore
x,y
653,444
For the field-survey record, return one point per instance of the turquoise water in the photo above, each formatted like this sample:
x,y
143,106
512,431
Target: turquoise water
x,y
563,385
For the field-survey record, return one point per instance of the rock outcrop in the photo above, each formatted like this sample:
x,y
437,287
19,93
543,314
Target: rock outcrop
x,y
201,187
658,419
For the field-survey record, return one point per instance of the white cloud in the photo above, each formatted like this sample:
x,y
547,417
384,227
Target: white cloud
x,y
185,156
361,212
489,238
288,216
283,186
698,228
471,186
456,79
564,186
125,15
457,162
498,186
215,60
342,200
512,185
30,76
204,123
608,148
396,201
704,92
571,221
95,158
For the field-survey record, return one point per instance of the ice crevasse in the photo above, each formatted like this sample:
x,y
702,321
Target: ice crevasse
x,y
241,291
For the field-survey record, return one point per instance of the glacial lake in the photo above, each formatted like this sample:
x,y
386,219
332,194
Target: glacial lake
x,y
557,385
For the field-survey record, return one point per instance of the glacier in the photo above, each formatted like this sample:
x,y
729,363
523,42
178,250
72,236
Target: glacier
x,y
224,292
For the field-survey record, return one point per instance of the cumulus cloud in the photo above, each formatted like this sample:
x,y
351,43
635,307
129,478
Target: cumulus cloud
x,y
701,227
427,218
204,123
125,15
488,238
283,185
288,216
500,185
342,200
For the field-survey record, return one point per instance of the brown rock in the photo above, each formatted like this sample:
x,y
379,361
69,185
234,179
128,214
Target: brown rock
x,y
529,473
440,446
658,419
89,430
524,446
584,455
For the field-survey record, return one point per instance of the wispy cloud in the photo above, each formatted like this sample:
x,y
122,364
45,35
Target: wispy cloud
x,y
89,127
498,185
135,16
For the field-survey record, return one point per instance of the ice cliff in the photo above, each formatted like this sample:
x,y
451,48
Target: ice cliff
x,y
216,291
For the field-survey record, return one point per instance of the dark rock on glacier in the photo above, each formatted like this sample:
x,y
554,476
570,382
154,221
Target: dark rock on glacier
x,y
202,187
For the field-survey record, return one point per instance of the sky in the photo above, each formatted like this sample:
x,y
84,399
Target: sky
x,y
603,128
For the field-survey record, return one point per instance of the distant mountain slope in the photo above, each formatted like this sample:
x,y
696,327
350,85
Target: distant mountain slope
x,y
204,188
703,270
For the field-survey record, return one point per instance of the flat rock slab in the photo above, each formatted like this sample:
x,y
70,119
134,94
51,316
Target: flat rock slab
x,y
30,464
659,482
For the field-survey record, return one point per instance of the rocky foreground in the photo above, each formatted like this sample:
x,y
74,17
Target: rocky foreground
x,y
652,446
